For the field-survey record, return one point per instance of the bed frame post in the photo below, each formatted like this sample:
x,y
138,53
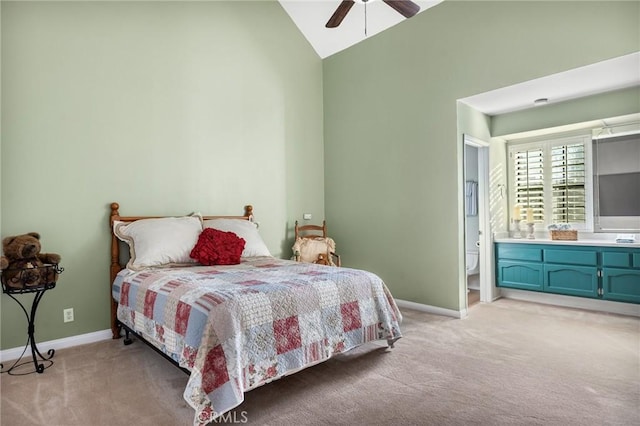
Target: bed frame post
x,y
115,268
248,212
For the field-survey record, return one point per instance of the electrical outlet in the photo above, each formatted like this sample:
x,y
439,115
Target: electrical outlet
x,y
68,314
306,216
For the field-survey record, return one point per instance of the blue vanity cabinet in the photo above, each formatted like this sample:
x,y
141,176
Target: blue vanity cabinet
x,y
597,272
572,271
571,280
622,285
522,275
520,267
621,275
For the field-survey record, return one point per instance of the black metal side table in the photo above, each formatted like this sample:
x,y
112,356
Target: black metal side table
x,y
16,282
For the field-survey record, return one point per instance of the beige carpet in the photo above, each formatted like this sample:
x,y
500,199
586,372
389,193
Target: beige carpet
x,y
508,363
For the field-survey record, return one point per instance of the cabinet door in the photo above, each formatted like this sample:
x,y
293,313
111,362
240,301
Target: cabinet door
x,y
522,275
622,285
571,280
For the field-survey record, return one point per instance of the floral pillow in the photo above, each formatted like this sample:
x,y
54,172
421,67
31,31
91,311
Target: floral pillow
x,y
216,247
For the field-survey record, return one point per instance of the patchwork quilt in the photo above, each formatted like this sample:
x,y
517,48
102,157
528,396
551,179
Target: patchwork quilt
x,y
236,327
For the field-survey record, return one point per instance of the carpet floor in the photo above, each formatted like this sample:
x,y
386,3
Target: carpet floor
x,y
507,363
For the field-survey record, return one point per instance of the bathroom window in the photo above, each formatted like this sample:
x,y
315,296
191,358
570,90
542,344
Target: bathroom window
x,y
551,181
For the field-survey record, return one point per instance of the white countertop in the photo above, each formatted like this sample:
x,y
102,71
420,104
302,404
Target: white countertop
x,y
579,242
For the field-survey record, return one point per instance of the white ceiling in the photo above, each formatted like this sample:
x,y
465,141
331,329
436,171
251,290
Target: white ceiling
x,y
311,16
601,77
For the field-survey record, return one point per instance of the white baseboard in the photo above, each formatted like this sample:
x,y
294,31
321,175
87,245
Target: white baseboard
x,y
67,342
630,309
431,309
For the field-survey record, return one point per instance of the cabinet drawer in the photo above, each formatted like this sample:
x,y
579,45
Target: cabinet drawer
x,y
636,260
616,258
571,257
530,254
622,285
522,275
571,280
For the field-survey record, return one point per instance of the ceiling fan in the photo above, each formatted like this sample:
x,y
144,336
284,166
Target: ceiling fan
x,y
406,8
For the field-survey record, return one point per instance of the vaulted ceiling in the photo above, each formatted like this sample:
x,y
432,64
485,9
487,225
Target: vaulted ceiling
x,y
311,16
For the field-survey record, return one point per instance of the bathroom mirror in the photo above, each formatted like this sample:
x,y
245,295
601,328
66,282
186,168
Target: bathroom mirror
x,y
616,183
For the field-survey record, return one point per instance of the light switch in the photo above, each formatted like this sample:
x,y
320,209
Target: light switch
x,y
306,216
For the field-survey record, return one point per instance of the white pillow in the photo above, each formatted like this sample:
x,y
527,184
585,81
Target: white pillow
x,y
157,242
254,246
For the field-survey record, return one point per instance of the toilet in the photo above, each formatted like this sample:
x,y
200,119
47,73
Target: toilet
x,y
473,257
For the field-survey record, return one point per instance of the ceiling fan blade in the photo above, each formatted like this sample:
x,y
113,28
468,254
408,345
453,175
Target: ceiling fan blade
x,y
340,13
406,8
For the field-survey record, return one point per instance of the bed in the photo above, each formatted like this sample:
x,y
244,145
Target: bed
x,y
234,327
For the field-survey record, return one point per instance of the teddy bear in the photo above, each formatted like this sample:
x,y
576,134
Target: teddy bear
x,y
22,263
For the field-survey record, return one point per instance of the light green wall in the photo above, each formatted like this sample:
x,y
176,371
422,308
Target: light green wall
x,y
392,148
109,102
164,107
473,122
605,105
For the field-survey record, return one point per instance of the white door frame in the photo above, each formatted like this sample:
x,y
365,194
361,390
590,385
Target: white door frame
x,y
488,291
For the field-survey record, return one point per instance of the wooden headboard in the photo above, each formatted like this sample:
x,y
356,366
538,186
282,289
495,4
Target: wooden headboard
x,y
115,251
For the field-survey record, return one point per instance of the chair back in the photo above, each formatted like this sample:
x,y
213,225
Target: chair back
x,y
311,231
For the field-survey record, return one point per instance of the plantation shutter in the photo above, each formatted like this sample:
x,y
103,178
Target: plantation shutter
x,y
529,181
568,183
551,178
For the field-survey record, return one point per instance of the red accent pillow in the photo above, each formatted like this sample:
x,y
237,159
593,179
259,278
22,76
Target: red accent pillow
x,y
216,247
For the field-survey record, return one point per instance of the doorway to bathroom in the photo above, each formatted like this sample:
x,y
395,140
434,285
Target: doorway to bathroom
x,y
477,227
